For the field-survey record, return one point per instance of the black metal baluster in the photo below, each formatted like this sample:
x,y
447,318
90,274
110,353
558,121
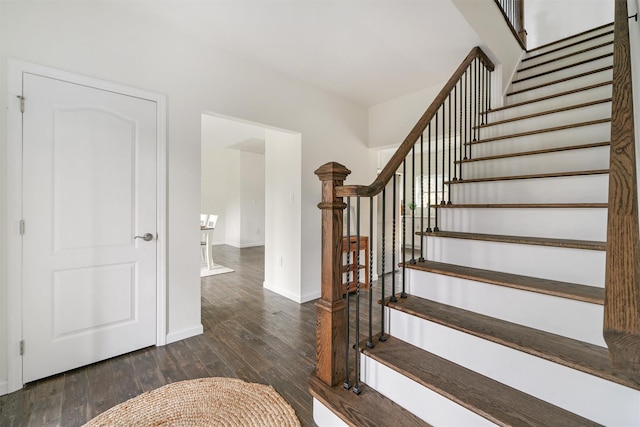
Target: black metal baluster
x,y
435,174
444,130
356,386
449,159
393,242
466,111
383,337
413,205
461,125
404,225
370,272
347,383
428,202
478,96
483,93
421,197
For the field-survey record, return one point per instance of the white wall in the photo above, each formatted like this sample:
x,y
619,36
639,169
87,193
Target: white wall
x,y
547,21
123,43
282,269
220,176
252,199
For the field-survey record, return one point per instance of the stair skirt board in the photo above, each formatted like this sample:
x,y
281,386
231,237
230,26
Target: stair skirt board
x,y
556,161
562,118
587,266
589,396
604,75
574,319
561,101
427,404
567,189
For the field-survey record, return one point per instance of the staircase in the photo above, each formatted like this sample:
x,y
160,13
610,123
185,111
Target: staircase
x,y
503,320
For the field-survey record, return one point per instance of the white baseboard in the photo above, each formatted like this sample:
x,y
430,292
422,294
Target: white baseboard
x,y
285,293
185,333
4,388
251,245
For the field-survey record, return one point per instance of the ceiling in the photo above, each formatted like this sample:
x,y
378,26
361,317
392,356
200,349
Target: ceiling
x,y
368,51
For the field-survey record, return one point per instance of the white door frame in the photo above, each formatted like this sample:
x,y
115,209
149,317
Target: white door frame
x,y
14,203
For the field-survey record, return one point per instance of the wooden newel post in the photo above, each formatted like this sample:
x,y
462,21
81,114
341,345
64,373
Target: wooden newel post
x,y
522,33
622,279
331,318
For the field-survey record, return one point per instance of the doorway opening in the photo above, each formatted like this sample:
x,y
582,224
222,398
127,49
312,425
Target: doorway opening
x,y
251,179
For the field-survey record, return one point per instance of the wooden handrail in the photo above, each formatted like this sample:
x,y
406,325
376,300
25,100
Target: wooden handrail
x,y
396,161
622,279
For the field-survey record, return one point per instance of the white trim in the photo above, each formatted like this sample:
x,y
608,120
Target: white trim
x,y
292,296
4,388
14,203
184,334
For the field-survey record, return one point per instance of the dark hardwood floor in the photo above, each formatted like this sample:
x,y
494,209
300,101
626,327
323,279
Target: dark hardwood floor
x,y
249,333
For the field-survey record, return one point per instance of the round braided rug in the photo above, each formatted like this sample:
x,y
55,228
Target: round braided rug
x,y
202,402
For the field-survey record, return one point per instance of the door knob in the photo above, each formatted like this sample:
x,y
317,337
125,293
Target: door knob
x,y
146,237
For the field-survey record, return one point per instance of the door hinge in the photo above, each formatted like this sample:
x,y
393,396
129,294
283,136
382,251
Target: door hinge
x,y
22,348
22,227
21,98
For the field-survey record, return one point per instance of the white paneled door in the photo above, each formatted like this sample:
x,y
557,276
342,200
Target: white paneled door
x,y
89,188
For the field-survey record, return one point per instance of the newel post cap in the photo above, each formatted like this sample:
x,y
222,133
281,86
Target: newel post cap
x,y
332,171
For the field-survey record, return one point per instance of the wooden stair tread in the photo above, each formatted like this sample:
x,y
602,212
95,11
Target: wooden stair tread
x,y
565,67
597,36
544,113
569,55
492,400
535,152
522,240
589,294
370,408
582,33
531,176
562,80
555,95
523,206
539,131
575,354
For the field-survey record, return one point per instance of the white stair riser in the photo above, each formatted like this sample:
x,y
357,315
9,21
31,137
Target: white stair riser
x,y
561,74
589,396
585,267
426,404
557,161
578,115
602,92
587,134
323,417
559,63
574,319
603,37
569,189
578,224
576,83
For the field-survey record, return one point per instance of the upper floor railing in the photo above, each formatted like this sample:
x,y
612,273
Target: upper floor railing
x,y
513,12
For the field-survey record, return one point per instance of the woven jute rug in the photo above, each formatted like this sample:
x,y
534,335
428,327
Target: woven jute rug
x,y
202,402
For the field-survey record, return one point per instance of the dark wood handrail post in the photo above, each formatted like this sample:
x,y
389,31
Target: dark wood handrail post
x,y
331,318
522,33
622,280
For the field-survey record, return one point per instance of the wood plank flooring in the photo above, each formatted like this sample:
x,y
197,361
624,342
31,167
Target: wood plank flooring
x,y
250,333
